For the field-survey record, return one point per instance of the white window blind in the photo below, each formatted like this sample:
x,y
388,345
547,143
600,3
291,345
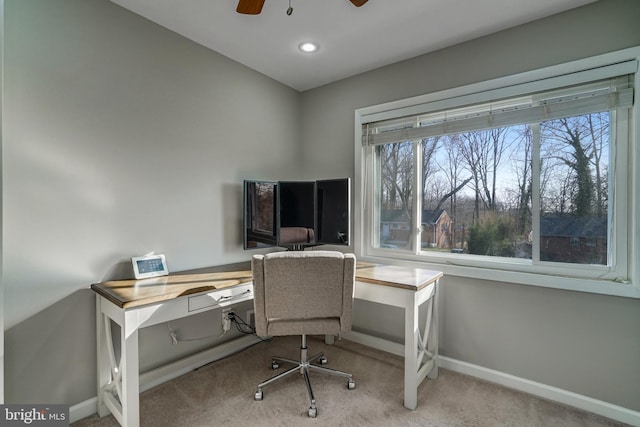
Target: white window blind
x,y
614,91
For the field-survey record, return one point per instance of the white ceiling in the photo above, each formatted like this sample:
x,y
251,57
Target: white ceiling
x,y
352,40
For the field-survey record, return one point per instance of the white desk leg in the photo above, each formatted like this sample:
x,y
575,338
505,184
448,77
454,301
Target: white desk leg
x,y
130,372
432,345
104,365
411,352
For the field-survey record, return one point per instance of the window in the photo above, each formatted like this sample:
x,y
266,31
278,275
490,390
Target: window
x,y
527,177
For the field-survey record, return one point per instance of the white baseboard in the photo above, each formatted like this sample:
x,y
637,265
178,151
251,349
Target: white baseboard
x,y
180,367
375,342
83,409
173,370
605,409
170,371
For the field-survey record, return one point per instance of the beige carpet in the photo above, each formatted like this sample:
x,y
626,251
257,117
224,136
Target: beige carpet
x,y
221,394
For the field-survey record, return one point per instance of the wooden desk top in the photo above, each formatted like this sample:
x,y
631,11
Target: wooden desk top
x,y
396,276
134,293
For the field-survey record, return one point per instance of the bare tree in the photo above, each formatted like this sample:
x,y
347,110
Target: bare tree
x,y
599,125
397,180
397,175
482,151
523,173
580,143
429,149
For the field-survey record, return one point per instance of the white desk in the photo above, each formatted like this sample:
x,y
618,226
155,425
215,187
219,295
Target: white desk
x,y
135,304
407,288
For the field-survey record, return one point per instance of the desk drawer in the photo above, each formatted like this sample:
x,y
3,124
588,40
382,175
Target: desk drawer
x,y
221,297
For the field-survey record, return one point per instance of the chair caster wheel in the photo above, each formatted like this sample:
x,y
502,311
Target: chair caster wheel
x,y
323,360
258,395
313,412
351,384
274,365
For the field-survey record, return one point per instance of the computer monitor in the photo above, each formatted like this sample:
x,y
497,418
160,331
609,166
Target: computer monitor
x,y
296,214
260,214
333,211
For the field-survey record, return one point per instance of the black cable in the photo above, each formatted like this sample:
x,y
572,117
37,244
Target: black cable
x,y
245,328
241,325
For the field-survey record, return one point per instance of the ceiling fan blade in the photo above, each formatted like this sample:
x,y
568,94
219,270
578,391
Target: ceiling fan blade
x,y
250,7
358,3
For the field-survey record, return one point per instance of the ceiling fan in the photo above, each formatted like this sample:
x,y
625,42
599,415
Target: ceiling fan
x,y
254,7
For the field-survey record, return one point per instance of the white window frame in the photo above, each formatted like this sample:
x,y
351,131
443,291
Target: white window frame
x,y
623,281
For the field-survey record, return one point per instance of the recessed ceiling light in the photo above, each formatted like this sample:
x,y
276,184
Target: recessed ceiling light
x,y
308,47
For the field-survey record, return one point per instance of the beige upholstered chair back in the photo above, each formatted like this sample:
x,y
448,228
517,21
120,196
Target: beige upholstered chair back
x,y
303,293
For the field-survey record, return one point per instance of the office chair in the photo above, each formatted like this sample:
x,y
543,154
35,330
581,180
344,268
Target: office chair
x,y
303,293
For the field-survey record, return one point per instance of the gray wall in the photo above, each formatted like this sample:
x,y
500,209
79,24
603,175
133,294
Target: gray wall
x,y
588,344
111,120
120,138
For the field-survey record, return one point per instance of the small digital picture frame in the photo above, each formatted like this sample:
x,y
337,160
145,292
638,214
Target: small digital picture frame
x,y
149,266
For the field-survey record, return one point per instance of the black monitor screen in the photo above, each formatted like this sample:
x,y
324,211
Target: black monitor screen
x,y
297,212
259,214
333,211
